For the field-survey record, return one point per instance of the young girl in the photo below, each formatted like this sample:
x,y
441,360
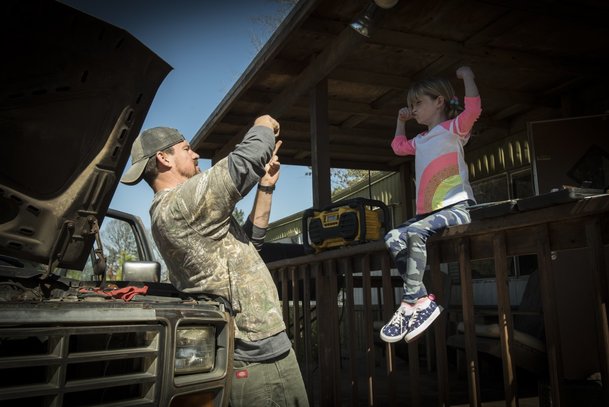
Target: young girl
x,y
443,191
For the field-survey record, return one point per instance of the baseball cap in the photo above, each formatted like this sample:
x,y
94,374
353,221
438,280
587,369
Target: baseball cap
x,y
146,146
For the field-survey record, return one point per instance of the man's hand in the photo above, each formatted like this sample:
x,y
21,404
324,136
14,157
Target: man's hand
x,y
271,176
269,122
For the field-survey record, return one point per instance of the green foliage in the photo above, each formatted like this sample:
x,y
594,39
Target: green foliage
x,y
341,178
239,215
119,246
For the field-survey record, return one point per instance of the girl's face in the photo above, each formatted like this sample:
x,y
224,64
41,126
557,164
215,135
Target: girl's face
x,y
428,110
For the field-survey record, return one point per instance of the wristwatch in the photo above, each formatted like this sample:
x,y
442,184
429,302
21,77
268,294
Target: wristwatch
x,y
266,188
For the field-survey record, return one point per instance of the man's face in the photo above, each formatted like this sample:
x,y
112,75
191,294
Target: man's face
x,y
184,160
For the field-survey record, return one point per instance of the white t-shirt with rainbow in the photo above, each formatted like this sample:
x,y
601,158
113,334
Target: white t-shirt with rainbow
x,y
441,172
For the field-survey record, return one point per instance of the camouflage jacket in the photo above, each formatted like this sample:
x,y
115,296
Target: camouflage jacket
x,y
207,251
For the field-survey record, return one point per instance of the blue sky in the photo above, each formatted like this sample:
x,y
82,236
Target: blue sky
x,y
209,44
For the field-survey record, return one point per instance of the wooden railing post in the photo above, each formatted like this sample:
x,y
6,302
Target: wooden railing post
x,y
506,330
601,298
308,331
388,310
367,291
347,271
548,298
327,323
467,298
433,256
296,308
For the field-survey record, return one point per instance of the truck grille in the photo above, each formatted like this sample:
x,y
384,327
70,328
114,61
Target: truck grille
x,y
110,365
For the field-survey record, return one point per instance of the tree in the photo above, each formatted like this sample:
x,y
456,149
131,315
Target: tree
x,y
239,215
270,23
343,178
120,246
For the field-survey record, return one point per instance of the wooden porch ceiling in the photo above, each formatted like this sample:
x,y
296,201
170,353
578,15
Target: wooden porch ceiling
x,y
528,55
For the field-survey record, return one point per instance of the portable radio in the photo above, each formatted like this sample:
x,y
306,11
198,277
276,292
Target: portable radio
x,y
346,222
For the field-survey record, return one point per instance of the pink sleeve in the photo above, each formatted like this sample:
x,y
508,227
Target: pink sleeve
x,y
402,146
465,121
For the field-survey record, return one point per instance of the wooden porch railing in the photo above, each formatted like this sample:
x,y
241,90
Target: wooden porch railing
x,y
313,281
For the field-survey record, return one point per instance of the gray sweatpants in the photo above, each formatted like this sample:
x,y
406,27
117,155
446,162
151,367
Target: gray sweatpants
x,y
407,245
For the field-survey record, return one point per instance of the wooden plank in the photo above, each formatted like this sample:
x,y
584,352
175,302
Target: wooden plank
x,y
467,298
347,270
506,328
601,298
296,306
415,373
550,316
325,325
367,291
334,334
285,303
440,326
308,331
388,310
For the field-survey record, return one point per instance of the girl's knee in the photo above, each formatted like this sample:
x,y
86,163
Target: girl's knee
x,y
391,236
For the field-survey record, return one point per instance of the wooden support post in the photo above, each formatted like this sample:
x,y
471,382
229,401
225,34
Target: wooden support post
x,y
320,145
506,329
601,298
550,316
433,256
467,298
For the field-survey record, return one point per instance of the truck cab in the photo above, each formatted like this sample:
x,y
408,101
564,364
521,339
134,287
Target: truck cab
x,y
86,318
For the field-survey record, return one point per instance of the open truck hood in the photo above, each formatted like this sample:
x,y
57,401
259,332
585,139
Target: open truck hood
x,y
75,92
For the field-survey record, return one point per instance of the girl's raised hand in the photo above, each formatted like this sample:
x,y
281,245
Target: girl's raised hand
x,y
404,114
465,72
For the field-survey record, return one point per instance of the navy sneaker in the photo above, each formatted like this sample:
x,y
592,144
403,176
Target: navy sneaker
x,y
396,329
422,318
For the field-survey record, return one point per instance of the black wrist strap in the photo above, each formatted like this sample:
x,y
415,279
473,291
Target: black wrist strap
x,y
266,188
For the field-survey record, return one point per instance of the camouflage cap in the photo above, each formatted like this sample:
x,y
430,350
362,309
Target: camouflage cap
x,y
145,146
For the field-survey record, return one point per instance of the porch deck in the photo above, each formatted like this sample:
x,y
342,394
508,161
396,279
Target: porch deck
x,y
339,372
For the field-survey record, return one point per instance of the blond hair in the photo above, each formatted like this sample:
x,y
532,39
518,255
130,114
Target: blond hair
x,y
434,87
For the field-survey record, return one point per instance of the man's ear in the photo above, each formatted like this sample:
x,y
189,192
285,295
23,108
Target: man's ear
x,y
162,160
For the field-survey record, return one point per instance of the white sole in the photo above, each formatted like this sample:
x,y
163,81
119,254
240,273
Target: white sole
x,y
392,339
435,314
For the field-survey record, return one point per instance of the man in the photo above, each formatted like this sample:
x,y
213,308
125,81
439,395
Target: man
x,y
206,250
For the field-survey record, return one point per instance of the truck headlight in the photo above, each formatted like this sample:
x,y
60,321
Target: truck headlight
x,y
195,349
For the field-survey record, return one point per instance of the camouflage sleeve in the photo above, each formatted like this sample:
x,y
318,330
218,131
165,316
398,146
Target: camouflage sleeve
x,y
246,162
207,200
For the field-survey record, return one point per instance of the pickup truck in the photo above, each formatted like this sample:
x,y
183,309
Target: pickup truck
x,y
85,318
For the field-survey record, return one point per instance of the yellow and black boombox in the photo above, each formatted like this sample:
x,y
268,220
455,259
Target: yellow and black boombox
x,y
346,222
